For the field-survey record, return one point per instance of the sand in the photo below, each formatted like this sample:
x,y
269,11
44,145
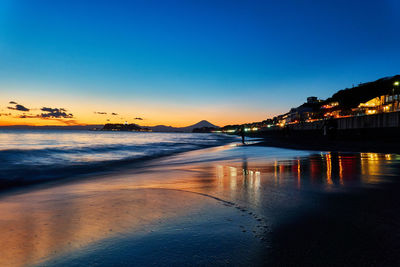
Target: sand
x,y
243,205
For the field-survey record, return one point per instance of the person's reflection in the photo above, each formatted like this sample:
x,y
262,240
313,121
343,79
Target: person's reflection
x,y
245,172
251,183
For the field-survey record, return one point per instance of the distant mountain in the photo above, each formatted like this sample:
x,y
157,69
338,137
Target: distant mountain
x,y
200,124
187,129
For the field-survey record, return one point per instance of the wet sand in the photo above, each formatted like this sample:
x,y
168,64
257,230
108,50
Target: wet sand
x,y
244,205
46,229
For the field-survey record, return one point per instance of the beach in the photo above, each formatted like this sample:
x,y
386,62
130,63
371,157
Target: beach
x,y
199,133
224,205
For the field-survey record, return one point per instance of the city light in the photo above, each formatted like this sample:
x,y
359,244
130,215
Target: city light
x,y
313,114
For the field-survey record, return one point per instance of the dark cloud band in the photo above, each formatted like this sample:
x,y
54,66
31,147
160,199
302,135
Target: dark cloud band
x,y
19,108
55,113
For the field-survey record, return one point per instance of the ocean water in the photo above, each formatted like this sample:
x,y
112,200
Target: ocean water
x,y
225,204
31,156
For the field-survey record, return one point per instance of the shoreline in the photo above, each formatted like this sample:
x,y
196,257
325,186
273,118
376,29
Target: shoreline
x,y
225,205
321,144
72,173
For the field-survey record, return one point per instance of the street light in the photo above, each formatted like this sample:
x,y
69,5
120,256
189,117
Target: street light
x,y
396,83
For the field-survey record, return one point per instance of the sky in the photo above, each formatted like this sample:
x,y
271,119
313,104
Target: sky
x,y
179,62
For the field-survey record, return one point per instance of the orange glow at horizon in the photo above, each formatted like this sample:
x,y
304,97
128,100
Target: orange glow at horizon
x,y
172,117
154,112
69,122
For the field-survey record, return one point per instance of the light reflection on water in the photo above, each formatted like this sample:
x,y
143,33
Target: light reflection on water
x,y
44,222
327,170
257,181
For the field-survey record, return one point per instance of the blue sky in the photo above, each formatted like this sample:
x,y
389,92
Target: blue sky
x,y
225,61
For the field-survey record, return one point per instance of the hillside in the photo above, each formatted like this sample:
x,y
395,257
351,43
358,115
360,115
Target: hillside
x,y
352,97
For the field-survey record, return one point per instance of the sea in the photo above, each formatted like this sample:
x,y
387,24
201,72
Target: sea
x,y
29,156
179,199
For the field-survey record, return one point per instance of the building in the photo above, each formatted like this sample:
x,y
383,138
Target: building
x,y
384,103
304,112
312,100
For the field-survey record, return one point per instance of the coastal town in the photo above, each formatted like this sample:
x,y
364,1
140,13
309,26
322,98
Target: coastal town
x,y
378,98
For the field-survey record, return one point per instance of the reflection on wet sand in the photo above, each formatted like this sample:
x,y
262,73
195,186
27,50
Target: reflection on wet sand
x,y
327,169
42,223
38,226
248,179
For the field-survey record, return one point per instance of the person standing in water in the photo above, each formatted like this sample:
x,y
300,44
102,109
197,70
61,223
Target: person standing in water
x,y
242,134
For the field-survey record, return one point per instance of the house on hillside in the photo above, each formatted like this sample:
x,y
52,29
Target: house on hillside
x,y
384,103
306,111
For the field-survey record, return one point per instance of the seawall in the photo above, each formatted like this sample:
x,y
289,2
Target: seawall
x,y
377,127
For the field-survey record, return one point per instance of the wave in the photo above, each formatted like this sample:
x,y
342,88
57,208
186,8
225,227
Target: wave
x,y
21,166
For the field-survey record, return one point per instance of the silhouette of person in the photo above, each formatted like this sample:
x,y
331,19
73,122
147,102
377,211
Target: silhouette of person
x,y
242,134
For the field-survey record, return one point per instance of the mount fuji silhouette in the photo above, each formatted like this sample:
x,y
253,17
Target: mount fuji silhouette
x,y
187,129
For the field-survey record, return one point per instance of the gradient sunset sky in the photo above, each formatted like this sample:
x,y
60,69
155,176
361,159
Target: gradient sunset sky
x,y
178,62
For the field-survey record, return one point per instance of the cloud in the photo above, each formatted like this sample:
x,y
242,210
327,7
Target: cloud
x,y
5,114
100,112
13,103
68,122
114,114
19,107
60,119
55,113
27,116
